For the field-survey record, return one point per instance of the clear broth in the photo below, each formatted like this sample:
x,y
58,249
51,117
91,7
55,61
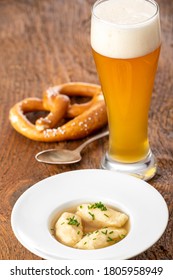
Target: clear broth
x,y
87,227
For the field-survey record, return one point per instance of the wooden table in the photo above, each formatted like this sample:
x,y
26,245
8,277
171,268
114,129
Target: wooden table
x,y
43,43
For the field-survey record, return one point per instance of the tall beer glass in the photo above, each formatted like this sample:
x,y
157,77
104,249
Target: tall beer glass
x,y
125,39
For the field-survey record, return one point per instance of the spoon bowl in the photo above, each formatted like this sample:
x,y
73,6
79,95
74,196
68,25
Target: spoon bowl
x,y
64,156
58,156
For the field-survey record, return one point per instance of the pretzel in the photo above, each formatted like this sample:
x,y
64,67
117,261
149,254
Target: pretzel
x,y
85,118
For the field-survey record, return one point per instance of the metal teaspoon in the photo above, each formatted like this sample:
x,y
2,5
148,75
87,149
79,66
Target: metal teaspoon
x,y
63,156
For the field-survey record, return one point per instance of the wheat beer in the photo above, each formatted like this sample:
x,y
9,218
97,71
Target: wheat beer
x,y
125,39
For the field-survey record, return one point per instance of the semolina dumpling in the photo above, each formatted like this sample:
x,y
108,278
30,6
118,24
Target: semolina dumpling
x,y
101,216
68,229
101,238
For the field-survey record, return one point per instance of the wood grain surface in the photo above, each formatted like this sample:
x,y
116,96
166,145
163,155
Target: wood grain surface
x,y
46,42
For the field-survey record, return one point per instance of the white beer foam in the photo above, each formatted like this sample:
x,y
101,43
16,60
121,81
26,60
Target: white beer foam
x,y
125,28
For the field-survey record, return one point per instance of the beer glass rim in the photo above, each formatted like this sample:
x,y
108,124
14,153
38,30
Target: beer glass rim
x,y
129,25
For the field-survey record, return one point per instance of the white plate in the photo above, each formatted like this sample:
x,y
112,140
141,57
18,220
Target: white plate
x,y
34,210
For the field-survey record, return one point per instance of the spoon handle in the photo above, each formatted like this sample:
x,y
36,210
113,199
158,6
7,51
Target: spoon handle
x,y
98,136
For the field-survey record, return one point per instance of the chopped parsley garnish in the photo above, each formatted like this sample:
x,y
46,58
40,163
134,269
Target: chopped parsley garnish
x,y
98,205
106,215
109,239
81,206
105,232
85,243
87,234
122,236
110,232
78,232
72,221
92,215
